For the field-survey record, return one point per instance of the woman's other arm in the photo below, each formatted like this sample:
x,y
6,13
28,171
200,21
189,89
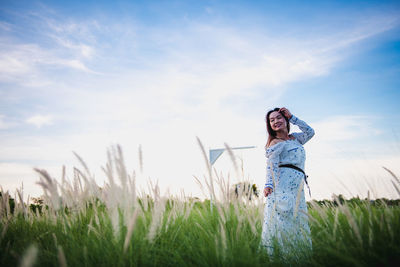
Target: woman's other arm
x,y
273,153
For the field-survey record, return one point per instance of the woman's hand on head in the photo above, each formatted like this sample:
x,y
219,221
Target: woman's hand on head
x,y
267,191
285,112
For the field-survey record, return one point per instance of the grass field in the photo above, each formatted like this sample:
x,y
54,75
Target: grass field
x,y
81,224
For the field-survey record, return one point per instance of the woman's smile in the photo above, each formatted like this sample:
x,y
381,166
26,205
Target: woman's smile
x,y
277,121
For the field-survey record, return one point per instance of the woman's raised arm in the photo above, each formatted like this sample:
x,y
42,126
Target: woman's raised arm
x,y
307,131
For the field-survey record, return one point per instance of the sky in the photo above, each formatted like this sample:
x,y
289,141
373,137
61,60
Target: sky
x,y
84,76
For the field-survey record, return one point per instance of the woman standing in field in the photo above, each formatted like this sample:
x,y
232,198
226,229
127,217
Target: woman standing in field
x,y
285,215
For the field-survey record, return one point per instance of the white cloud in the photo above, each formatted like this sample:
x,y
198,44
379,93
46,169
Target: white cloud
x,y
27,64
40,120
345,137
346,127
81,49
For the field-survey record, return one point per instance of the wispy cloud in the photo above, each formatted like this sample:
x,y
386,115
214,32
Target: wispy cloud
x,y
346,127
40,120
30,64
56,46
344,137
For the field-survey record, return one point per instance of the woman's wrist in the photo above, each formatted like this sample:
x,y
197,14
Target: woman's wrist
x,y
293,119
268,186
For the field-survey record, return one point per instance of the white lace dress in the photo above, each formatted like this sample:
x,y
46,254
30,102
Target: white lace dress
x,y
285,214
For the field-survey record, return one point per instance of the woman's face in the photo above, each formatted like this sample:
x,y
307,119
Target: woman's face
x,y
277,121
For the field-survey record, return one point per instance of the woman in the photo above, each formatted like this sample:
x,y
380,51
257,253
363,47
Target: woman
x,y
285,215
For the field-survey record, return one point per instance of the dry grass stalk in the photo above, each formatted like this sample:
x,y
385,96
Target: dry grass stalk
x,y
131,226
396,187
4,231
233,159
210,184
140,159
352,221
5,205
61,257
156,219
20,205
393,175
335,223
298,196
223,247
29,257
49,186
83,164
202,188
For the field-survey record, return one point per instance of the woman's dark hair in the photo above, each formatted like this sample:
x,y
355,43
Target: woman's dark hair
x,y
272,133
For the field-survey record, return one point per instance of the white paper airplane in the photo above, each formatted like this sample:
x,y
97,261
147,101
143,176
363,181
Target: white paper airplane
x,y
216,153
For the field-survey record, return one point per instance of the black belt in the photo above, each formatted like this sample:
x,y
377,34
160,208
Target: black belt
x,y
300,170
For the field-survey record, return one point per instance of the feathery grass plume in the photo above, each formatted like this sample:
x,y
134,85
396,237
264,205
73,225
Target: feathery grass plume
x,y
335,223
4,204
55,239
222,241
227,194
208,165
140,159
91,188
66,189
132,188
393,175
120,165
91,228
233,159
225,187
351,220
83,163
200,184
160,229
122,196
20,205
49,186
4,230
131,226
157,212
62,261
396,179
29,257
214,202
109,169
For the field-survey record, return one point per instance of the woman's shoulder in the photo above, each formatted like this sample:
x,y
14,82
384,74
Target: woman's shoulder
x,y
275,142
275,147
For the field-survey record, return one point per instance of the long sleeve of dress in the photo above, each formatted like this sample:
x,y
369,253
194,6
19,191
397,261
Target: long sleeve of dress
x,y
307,131
273,156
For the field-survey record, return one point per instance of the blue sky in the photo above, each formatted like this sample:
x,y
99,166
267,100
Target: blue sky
x,y
83,75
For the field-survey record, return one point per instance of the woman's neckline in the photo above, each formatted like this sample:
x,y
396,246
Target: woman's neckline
x,y
294,139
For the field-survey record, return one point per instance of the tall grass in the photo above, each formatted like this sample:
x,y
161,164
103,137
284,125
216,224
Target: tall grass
x,y
83,224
